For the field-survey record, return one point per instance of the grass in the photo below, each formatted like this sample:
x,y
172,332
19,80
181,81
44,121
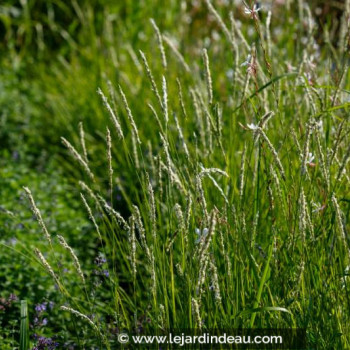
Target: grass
x,y
24,341
214,183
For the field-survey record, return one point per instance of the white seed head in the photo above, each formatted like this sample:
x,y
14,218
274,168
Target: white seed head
x,y
37,214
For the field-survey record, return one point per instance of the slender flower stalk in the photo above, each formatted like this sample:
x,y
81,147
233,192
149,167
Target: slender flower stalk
x,y
151,79
156,117
153,277
208,171
297,144
142,232
109,158
241,179
322,158
47,266
172,241
268,33
121,221
209,236
215,281
200,190
37,214
196,313
160,42
203,262
254,229
91,193
208,76
177,53
84,317
309,223
88,209
181,136
82,141
130,116
236,31
302,215
174,178
76,262
279,189
265,118
152,204
219,20
113,116
339,219
181,101
165,100
336,143
180,219
112,94
188,213
340,223
151,158
135,152
221,191
209,124
78,158
134,58
166,151
199,118
274,153
344,27
132,241
343,173
343,164
306,148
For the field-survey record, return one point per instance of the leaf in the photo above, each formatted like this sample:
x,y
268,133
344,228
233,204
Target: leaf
x,y
24,330
261,309
261,88
262,283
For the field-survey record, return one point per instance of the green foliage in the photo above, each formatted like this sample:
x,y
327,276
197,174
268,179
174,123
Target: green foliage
x,y
221,205
24,342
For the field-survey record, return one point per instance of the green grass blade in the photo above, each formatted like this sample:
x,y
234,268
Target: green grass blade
x,y
261,88
262,309
24,332
261,286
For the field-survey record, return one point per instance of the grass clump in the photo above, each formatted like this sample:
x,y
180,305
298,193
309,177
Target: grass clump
x,y
218,197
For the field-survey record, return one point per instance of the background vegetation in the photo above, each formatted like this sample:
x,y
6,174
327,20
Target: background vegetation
x,y
232,222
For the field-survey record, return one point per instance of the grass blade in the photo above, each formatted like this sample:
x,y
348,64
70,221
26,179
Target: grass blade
x,y
261,286
24,331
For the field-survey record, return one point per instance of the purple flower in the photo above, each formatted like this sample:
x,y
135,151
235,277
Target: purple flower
x,y
40,307
15,155
100,260
12,241
4,303
13,297
20,226
45,343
